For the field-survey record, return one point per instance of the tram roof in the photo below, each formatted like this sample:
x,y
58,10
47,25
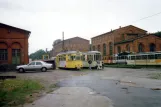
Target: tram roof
x,y
91,52
146,53
68,52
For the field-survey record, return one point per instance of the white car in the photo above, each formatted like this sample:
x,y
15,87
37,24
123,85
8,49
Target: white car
x,y
35,65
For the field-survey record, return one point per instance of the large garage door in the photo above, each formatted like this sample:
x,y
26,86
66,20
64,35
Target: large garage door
x,y
16,56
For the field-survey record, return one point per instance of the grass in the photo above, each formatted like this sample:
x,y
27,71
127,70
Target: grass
x,y
155,76
14,92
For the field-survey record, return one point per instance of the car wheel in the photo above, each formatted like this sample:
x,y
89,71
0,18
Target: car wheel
x,y
21,70
43,69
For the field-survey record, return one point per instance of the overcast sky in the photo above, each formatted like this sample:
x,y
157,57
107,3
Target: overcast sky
x,y
46,19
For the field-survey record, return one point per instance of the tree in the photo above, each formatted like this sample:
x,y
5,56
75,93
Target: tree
x,y
158,33
37,55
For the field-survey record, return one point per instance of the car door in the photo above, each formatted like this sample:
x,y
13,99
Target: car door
x,y
31,66
38,65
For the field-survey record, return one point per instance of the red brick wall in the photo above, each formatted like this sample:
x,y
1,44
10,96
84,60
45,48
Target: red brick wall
x,y
73,44
14,40
146,41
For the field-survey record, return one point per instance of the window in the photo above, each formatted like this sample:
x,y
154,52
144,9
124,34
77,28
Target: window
x,y
123,37
3,55
140,47
78,57
144,57
128,47
158,56
151,56
110,48
32,63
104,49
152,47
138,57
38,63
118,49
90,57
98,47
73,58
97,57
132,57
93,48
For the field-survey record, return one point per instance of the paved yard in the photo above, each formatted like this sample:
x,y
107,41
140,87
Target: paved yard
x,y
118,87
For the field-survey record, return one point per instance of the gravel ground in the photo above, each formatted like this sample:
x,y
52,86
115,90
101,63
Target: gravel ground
x,y
136,76
47,78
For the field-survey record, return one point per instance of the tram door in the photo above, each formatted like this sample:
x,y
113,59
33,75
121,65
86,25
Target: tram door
x,y
16,56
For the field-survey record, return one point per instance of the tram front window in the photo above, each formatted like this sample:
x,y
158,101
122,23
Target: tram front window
x,y
78,57
98,57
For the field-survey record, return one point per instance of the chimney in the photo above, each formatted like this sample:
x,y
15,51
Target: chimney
x,y
120,26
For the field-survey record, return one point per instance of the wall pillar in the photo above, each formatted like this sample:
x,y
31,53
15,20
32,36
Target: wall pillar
x,y
9,55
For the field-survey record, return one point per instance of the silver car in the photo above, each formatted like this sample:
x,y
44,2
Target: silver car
x,y
35,65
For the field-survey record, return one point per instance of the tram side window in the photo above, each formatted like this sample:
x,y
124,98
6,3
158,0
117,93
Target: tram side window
x,y
129,58
151,57
158,56
138,57
144,57
132,57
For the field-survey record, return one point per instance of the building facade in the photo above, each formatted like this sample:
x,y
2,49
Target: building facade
x,y
129,38
13,45
72,44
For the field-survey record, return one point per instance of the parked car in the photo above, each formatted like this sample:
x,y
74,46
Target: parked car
x,y
35,65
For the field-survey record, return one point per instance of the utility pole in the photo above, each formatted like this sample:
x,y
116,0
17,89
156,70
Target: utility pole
x,y
63,41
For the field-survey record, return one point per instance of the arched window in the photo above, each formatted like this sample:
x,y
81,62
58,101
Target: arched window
x,y
140,47
128,47
98,47
110,48
93,48
104,49
118,49
152,47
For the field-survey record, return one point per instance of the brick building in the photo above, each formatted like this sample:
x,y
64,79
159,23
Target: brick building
x,y
72,44
128,38
13,45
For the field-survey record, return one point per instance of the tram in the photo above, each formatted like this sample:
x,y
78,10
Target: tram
x,y
69,60
148,58
94,56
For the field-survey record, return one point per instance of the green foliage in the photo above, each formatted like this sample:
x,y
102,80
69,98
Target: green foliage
x,y
14,92
155,76
158,33
37,55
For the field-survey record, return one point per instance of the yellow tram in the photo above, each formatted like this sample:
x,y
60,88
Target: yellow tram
x,y
69,59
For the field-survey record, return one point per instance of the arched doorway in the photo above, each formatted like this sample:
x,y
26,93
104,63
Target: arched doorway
x,y
16,53
3,52
141,47
152,47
